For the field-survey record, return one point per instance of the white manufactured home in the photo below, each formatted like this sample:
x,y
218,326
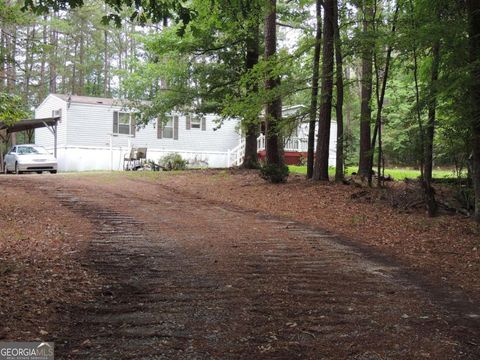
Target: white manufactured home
x,y
98,133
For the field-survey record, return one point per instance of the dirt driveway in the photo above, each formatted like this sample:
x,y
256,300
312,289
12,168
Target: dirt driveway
x,y
185,278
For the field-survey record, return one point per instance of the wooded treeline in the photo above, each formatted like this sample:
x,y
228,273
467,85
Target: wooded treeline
x,y
69,52
400,77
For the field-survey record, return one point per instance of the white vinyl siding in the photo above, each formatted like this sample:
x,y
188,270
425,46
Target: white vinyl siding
x,y
92,126
52,106
84,144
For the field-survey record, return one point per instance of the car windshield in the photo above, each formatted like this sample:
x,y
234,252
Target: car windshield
x,y
28,150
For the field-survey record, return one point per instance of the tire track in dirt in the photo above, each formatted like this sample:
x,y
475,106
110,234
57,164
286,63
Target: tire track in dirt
x,y
247,286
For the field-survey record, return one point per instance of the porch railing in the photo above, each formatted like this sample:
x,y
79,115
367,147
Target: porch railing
x,y
236,155
290,144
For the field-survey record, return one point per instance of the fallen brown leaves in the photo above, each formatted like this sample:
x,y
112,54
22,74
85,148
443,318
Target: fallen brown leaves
x,y
40,273
446,248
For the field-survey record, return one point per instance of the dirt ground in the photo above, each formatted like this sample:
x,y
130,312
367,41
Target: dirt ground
x,y
219,265
40,246
447,248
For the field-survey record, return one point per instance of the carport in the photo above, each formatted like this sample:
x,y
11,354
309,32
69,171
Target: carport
x,y
29,125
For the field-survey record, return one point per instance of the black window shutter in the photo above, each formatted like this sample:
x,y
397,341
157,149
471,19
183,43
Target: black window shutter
x,y
175,127
159,128
204,124
188,122
115,122
133,123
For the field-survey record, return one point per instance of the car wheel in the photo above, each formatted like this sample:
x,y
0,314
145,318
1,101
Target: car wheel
x,y
39,172
53,172
17,171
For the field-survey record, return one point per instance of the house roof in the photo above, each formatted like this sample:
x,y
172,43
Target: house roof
x,y
88,99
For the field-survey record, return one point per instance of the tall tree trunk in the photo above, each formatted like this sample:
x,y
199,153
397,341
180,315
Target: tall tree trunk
x,y
348,104
163,83
52,61
380,97
62,50
473,9
320,171
314,98
120,50
106,76
380,174
127,49
12,69
273,109
366,92
418,108
253,52
418,111
26,64
430,133
29,62
73,79
43,86
81,65
3,58
339,167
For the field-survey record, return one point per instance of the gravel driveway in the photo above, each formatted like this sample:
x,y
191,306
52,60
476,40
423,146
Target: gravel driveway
x,y
185,278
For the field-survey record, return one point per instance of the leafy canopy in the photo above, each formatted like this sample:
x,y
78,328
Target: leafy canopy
x,y
12,109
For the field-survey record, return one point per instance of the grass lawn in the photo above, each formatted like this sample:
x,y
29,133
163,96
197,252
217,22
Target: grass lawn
x,y
396,173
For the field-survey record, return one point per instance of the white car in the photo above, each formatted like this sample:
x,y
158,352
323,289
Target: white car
x,y
29,158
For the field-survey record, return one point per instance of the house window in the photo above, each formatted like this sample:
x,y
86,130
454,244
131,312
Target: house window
x,y
196,122
168,128
124,123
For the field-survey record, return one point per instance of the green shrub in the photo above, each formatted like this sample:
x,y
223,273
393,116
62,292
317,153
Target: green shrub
x,y
274,173
173,161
